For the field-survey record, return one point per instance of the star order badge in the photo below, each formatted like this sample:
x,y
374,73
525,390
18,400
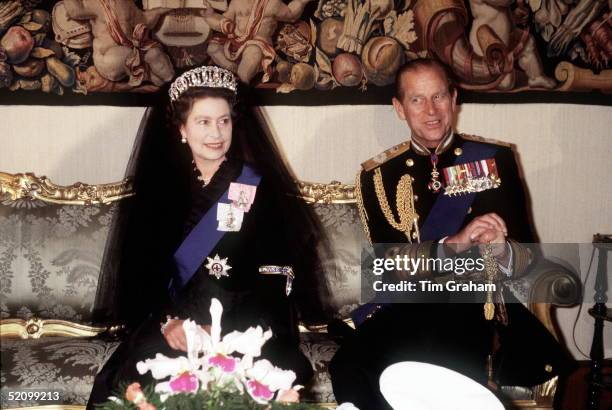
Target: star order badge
x,y
217,267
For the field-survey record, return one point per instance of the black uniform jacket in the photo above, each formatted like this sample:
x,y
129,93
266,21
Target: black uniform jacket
x,y
508,201
529,354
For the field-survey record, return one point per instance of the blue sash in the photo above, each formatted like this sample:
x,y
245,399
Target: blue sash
x,y
445,217
204,237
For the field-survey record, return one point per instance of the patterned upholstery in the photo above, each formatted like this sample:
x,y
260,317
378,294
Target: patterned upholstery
x,y
50,258
342,224
319,348
52,364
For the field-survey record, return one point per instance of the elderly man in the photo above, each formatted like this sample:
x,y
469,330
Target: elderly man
x,y
443,187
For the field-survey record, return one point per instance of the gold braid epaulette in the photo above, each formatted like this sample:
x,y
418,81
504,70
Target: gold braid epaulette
x,y
405,205
385,156
362,212
477,138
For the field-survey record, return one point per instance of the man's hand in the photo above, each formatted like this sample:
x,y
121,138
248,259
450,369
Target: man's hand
x,y
471,234
499,246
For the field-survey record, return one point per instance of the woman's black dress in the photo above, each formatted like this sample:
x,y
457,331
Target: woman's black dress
x,y
248,297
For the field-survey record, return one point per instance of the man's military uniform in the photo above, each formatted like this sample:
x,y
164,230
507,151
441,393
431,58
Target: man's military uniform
x,y
398,204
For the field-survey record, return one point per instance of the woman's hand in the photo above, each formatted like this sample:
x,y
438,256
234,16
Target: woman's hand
x,y
175,335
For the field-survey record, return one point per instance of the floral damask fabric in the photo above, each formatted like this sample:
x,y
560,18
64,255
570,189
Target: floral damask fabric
x,y
342,224
319,348
50,258
67,366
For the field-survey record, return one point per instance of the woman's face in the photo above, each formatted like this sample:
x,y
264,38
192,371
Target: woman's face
x,y
208,129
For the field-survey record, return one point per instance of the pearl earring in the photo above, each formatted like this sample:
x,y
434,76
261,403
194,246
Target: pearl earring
x,y
184,140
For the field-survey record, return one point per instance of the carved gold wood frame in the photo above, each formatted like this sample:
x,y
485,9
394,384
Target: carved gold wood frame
x,y
332,193
35,328
30,186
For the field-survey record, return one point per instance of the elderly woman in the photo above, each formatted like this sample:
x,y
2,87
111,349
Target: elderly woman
x,y
216,215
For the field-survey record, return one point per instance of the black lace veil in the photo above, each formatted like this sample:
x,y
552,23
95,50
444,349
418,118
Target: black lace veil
x,y
147,227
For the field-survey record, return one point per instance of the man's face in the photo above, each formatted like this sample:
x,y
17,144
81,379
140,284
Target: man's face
x,y
427,105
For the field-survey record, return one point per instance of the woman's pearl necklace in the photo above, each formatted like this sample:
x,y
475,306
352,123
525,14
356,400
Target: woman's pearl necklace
x,y
200,177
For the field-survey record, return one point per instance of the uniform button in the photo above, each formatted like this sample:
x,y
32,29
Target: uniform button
x,y
548,368
409,162
458,151
416,198
470,210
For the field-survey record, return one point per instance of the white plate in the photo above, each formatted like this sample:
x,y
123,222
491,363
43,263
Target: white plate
x,y
424,386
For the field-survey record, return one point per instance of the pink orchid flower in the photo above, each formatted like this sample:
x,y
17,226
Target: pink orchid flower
x,y
225,363
259,391
185,382
264,377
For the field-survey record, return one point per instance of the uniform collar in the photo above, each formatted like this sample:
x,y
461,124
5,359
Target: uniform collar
x,y
443,146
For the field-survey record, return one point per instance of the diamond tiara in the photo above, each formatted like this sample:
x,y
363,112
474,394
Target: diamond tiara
x,y
205,76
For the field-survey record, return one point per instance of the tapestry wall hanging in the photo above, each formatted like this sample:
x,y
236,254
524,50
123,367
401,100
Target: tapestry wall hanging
x,y
303,51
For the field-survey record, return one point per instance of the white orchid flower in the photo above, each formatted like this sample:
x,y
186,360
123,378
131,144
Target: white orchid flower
x,y
162,366
164,390
209,361
249,342
264,379
217,350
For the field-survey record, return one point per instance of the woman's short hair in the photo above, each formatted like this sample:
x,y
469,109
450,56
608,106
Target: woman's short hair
x,y
181,108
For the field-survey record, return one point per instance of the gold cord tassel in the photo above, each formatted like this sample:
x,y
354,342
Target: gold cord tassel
x,y
490,275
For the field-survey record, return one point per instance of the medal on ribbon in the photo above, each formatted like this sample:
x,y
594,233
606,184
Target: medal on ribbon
x,y
217,267
435,184
471,177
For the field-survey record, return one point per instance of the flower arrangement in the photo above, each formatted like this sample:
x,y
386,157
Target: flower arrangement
x,y
210,376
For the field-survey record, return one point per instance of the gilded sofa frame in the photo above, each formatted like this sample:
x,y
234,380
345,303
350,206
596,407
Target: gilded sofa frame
x,y
28,186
